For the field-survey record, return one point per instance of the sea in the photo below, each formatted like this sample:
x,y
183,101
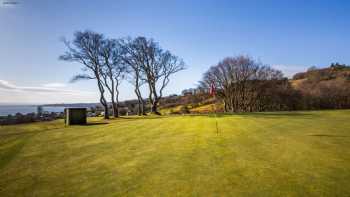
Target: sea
x,y
25,109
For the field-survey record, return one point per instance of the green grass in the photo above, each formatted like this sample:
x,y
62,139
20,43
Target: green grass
x,y
258,154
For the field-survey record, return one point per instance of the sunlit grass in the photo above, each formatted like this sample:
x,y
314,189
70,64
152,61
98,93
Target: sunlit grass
x,y
257,154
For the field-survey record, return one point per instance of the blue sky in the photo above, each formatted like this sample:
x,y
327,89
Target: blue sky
x,y
288,35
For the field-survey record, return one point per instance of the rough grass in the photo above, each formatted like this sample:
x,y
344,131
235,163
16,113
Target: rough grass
x,y
207,108
257,154
201,109
170,110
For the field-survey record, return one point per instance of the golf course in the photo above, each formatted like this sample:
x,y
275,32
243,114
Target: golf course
x,y
305,153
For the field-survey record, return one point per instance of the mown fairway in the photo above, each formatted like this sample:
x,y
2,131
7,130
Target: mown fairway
x,y
259,154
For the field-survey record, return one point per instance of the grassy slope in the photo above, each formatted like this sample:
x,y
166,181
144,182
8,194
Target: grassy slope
x,y
202,109
259,154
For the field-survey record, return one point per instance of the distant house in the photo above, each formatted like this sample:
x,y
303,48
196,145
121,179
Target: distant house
x,y
188,92
193,91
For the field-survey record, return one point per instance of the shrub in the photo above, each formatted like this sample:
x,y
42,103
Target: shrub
x,y
184,109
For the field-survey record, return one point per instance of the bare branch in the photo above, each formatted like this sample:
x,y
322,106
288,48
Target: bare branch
x,y
81,77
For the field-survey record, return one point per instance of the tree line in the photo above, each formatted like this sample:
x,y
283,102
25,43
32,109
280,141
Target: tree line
x,y
244,85
108,61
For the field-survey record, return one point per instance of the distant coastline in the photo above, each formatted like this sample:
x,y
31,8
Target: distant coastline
x,y
11,109
6,110
87,105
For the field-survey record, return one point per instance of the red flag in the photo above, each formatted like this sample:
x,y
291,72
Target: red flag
x,y
212,90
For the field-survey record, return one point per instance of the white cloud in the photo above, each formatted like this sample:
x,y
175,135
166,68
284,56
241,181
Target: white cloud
x,y
54,85
8,86
48,93
9,3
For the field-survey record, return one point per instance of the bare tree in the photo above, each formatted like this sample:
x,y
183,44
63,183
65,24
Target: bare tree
x,y
119,75
156,66
113,70
133,60
240,82
86,49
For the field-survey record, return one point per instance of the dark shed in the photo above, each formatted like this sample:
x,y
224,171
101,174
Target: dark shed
x,y
75,116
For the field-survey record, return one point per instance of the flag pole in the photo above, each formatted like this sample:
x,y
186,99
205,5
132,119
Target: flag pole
x,y
216,117
213,93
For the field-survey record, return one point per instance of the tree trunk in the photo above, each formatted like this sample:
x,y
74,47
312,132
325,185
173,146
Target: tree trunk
x,y
106,115
117,101
150,98
154,109
233,105
143,107
105,106
102,97
154,99
114,106
115,110
140,110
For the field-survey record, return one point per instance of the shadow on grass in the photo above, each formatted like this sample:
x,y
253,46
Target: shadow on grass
x,y
135,118
218,115
327,135
94,123
260,114
280,115
144,117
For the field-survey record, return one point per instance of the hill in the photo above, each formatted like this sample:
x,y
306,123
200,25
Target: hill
x,y
326,88
317,88
332,74
255,154
334,71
